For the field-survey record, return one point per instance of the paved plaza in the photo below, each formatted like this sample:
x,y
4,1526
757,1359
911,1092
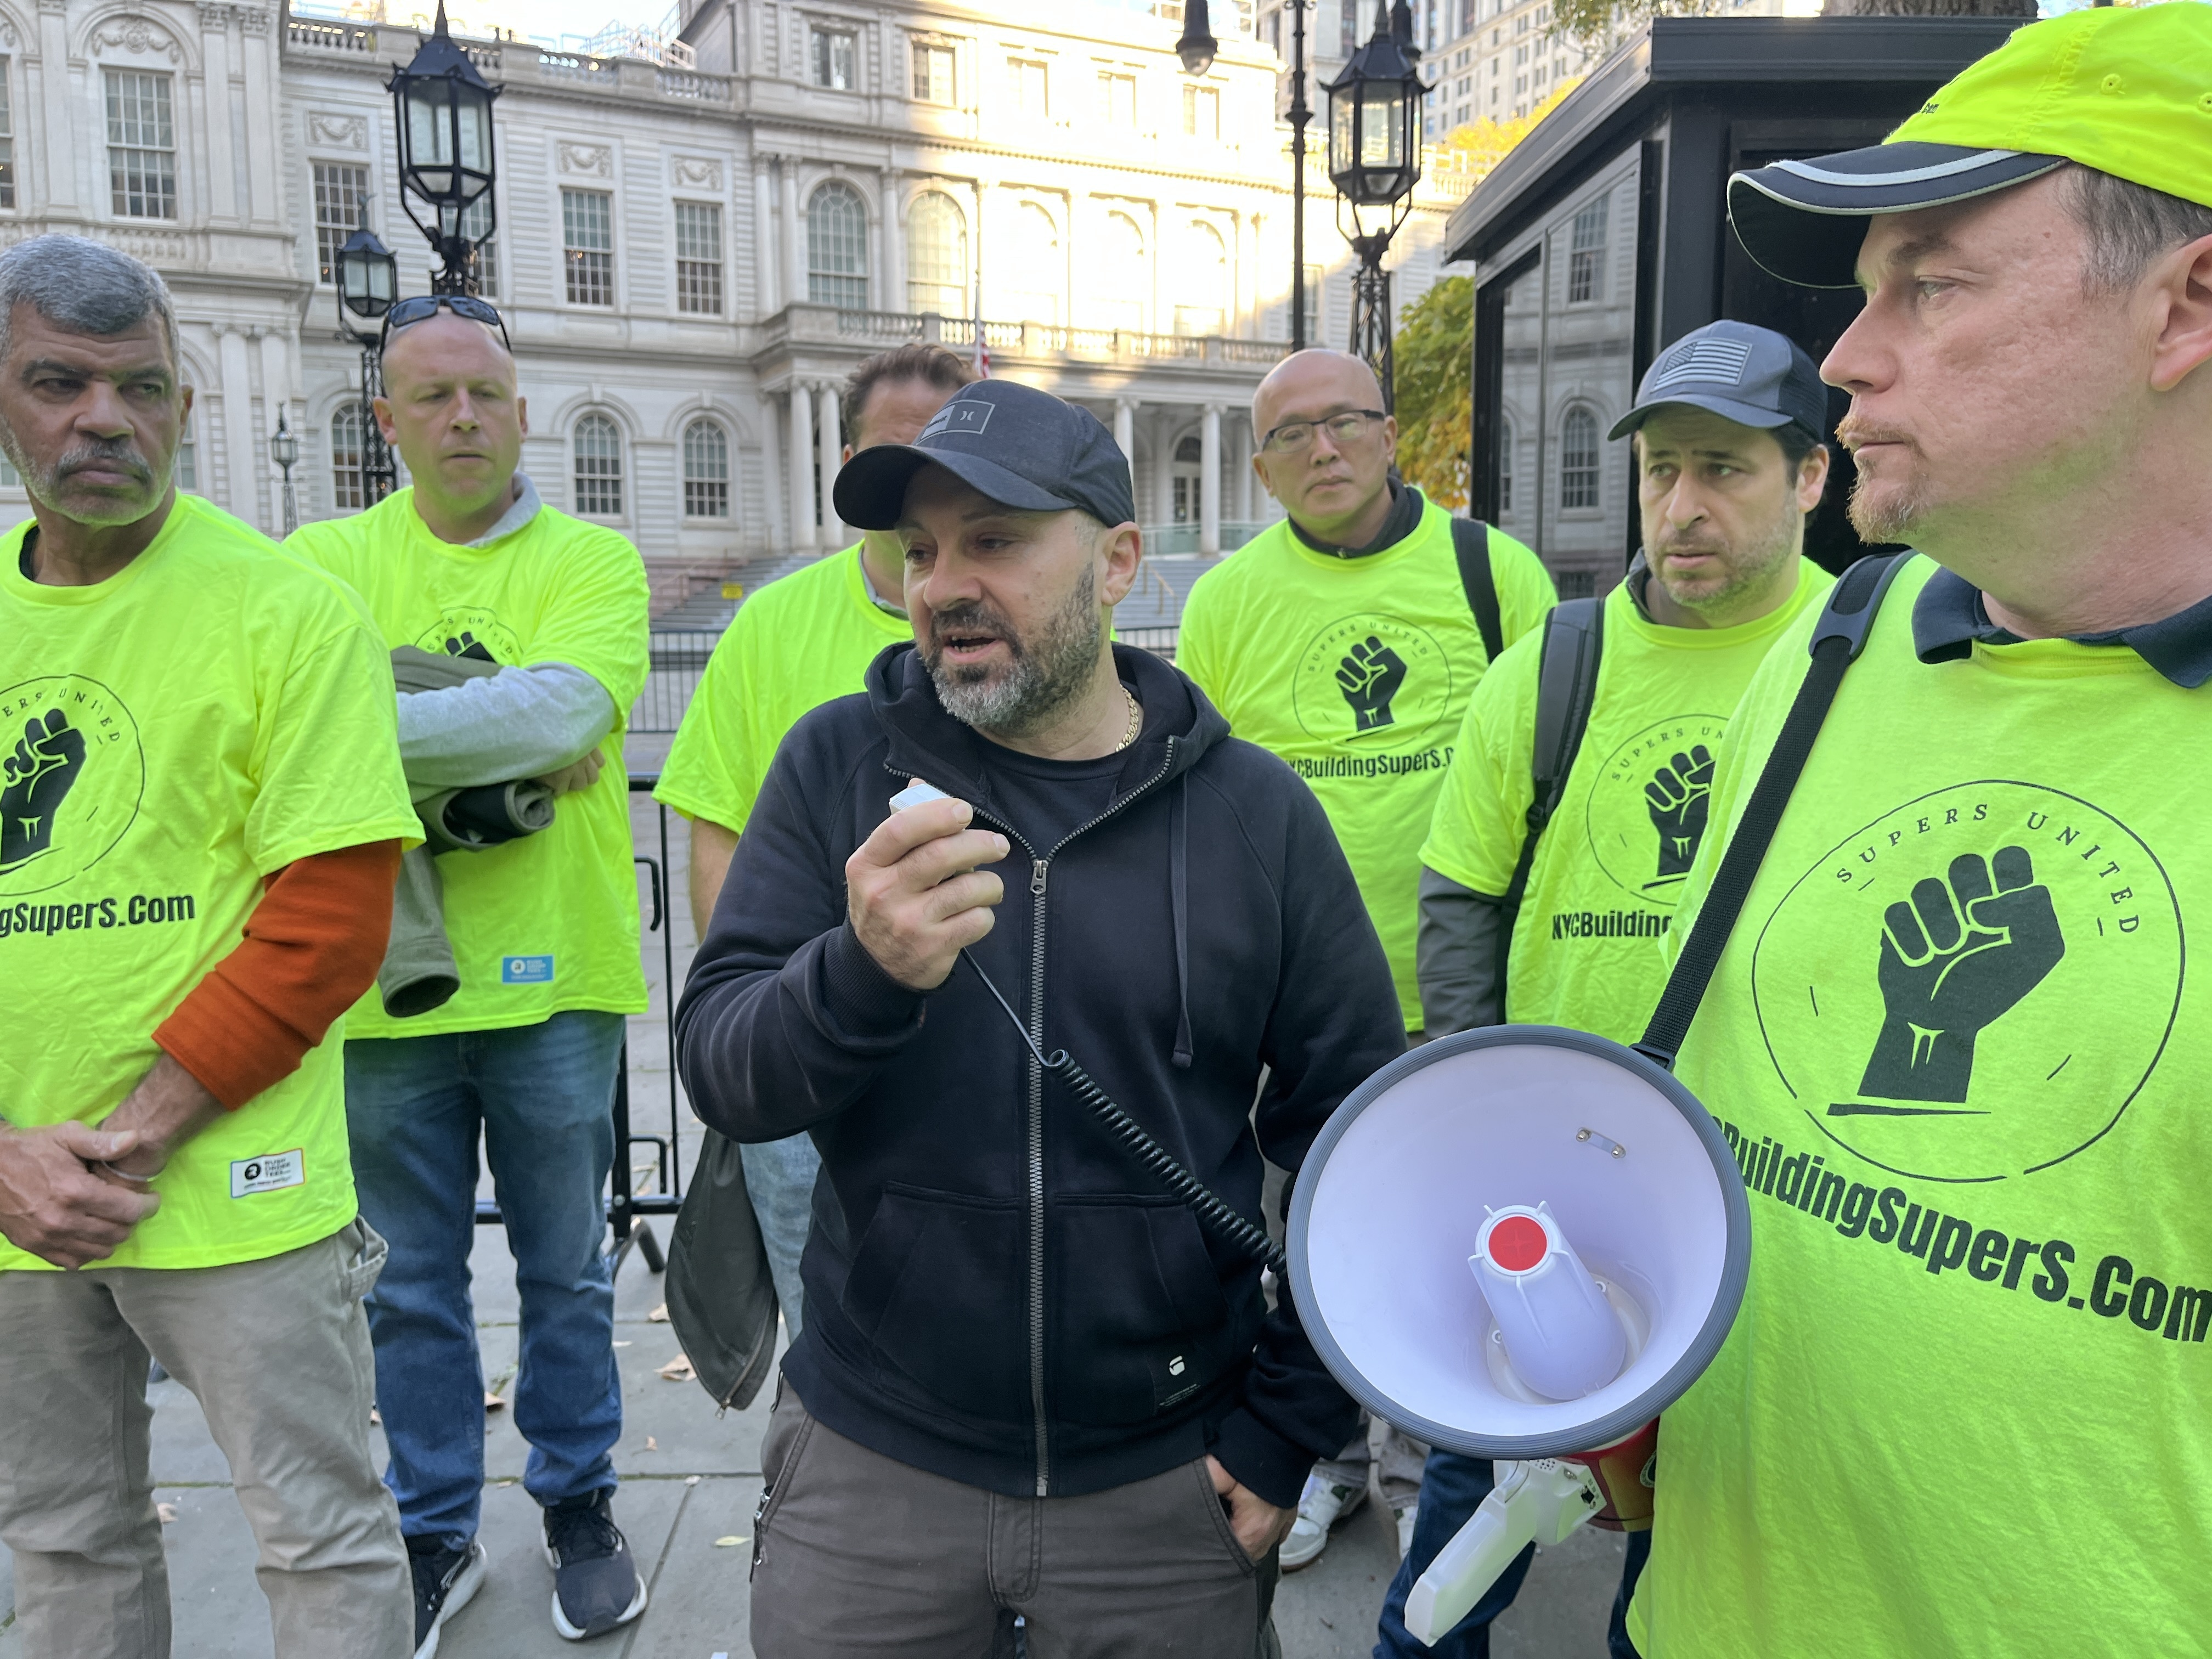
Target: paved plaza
x,y
691,1477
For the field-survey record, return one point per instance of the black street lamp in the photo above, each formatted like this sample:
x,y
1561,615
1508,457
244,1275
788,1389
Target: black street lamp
x,y
443,108
1375,161
285,450
1198,48
367,278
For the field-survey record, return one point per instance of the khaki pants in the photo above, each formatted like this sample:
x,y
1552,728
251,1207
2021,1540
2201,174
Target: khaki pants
x,y
276,1353
856,1554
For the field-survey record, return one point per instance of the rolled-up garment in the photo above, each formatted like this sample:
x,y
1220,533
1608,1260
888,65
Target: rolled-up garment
x,y
486,815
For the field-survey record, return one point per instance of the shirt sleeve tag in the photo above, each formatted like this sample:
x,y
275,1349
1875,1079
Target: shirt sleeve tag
x,y
269,1173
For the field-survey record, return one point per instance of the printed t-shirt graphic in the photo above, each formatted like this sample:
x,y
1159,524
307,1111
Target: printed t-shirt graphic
x,y
797,643
548,922
1613,858
1958,1047
1356,672
169,739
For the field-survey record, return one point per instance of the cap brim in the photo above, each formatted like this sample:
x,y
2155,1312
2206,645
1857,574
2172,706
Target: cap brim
x,y
1804,220
1727,408
870,493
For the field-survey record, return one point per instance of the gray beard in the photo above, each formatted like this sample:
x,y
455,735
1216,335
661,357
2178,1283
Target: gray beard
x,y
1047,676
39,481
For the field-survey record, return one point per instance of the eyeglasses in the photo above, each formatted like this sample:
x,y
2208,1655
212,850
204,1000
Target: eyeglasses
x,y
1293,436
422,306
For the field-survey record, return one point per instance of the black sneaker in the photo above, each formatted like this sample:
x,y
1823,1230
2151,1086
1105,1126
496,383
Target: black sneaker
x,y
596,1583
445,1580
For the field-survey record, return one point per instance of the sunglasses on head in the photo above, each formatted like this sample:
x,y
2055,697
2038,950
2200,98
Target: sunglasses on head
x,y
422,306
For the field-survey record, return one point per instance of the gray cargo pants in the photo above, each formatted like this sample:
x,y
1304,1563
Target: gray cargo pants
x,y
276,1353
857,1553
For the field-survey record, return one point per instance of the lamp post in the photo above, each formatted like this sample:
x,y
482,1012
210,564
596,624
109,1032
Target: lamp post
x,y
285,450
443,111
1373,162
1197,49
367,283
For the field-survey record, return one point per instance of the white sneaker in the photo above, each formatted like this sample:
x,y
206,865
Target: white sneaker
x,y
1321,1506
1406,1519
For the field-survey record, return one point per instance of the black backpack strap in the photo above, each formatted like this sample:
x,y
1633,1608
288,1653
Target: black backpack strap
x,y
1471,547
1837,638
1566,687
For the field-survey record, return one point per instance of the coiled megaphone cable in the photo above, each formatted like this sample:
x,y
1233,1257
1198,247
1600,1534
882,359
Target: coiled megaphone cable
x,y
1235,1228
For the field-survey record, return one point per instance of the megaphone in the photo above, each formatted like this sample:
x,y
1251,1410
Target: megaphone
x,y
1520,1243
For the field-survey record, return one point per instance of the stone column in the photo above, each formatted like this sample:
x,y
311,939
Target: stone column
x,y
1125,435
235,375
1163,421
57,153
775,480
766,301
214,90
802,468
263,205
826,435
794,235
1209,482
1239,459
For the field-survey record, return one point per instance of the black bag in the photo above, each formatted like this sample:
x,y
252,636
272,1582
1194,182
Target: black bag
x,y
721,1299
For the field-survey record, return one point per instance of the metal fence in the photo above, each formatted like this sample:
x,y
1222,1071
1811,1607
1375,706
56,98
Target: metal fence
x,y
626,1205
679,658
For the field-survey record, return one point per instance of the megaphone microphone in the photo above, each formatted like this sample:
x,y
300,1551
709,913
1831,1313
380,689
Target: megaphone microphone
x,y
1520,1243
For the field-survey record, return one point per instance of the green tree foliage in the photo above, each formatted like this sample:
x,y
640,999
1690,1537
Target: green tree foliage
x,y
1433,351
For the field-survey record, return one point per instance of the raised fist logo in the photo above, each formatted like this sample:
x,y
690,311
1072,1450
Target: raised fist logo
x,y
33,782
1676,797
1957,956
1369,676
468,644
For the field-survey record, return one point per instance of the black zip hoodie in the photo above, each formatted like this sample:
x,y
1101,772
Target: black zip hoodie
x,y
995,1292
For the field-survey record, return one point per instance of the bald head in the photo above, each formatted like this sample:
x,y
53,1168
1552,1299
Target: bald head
x,y
451,409
1325,446
1314,382
446,343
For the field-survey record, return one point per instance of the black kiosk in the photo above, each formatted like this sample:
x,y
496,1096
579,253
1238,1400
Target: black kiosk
x,y
1604,237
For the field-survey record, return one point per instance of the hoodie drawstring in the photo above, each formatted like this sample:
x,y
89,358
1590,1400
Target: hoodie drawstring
x,y
1179,889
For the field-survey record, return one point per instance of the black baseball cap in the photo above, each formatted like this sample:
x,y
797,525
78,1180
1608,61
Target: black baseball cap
x,y
1741,372
1022,448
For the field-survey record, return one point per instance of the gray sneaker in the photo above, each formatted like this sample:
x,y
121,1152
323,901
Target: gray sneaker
x,y
445,1580
596,1583
1321,1506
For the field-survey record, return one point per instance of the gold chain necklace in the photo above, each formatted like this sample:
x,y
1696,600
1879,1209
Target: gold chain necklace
x,y
1136,720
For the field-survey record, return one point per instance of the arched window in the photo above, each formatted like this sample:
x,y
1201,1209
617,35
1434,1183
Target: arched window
x,y
1037,272
1578,459
349,486
1205,278
1190,458
936,256
1504,467
599,468
837,248
1121,271
706,472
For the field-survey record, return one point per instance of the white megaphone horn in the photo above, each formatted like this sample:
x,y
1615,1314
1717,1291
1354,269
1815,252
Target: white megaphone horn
x,y
1522,1243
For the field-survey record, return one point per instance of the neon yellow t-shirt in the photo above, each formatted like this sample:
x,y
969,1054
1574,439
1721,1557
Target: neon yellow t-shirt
x,y
169,739
1356,672
1962,1412
797,643
548,922
1612,859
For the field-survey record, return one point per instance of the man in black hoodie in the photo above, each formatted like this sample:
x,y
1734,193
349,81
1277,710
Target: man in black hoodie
x,y
1030,1383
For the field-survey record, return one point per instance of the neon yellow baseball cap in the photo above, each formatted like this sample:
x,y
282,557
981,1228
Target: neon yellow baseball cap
x,y
2125,90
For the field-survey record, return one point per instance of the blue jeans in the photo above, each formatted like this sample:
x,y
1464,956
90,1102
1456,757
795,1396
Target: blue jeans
x,y
541,1097
780,1182
1452,1488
